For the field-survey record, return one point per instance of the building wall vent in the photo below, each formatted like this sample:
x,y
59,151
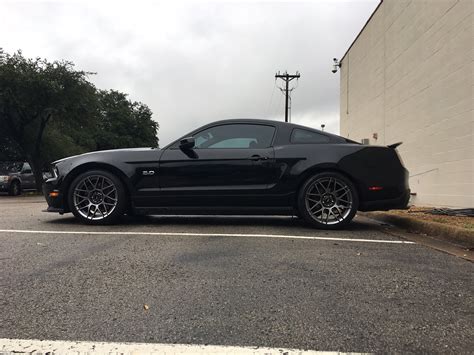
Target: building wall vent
x,y
365,141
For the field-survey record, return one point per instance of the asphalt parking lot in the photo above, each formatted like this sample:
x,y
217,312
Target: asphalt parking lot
x,y
244,281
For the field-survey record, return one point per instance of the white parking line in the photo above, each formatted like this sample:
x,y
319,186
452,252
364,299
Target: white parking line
x,y
188,234
86,347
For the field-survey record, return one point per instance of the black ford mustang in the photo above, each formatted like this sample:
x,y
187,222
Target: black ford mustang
x,y
242,166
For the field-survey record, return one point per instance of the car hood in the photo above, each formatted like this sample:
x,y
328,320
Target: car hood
x,y
107,153
8,173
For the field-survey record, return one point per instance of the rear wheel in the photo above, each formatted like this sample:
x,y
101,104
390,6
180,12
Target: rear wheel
x,y
328,200
15,188
97,197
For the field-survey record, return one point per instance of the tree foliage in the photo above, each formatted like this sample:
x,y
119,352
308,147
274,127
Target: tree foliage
x,y
50,110
124,123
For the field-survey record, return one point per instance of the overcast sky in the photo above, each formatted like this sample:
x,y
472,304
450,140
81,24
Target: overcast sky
x,y
195,62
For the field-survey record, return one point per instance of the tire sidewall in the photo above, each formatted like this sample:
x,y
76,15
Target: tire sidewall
x,y
12,191
302,204
121,193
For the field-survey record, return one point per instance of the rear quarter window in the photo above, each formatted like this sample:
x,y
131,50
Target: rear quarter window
x,y
303,136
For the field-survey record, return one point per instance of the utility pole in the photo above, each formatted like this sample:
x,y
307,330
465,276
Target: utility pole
x,y
286,90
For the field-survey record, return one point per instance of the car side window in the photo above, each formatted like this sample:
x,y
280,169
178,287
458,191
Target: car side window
x,y
26,169
303,136
243,136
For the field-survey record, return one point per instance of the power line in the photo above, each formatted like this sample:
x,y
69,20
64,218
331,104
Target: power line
x,y
271,99
279,108
286,90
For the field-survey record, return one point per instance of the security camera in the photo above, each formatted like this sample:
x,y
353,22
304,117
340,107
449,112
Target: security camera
x,y
336,65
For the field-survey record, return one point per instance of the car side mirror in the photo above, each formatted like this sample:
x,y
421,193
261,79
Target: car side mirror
x,y
186,143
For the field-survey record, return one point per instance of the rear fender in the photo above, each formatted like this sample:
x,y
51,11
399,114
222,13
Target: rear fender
x,y
324,168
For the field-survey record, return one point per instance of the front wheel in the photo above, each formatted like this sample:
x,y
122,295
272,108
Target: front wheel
x,y
15,188
97,197
328,200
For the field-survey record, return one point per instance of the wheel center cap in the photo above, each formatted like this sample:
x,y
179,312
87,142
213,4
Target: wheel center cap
x,y
328,200
96,197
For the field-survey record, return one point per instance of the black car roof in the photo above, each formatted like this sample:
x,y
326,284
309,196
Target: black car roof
x,y
287,125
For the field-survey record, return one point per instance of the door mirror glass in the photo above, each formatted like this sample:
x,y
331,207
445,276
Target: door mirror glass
x,y
187,143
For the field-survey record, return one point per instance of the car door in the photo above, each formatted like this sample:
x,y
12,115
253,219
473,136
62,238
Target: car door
x,y
230,165
27,177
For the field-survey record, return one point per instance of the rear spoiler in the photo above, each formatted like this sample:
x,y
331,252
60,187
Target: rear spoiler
x,y
394,145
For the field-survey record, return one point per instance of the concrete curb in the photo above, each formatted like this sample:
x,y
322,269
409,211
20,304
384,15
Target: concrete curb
x,y
461,236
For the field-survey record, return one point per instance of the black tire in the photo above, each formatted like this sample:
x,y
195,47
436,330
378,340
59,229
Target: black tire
x,y
15,188
324,206
97,199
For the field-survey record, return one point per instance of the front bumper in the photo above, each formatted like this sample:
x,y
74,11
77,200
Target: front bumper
x,y
54,197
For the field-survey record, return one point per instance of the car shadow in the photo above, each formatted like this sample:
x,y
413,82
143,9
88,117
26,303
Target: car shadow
x,y
214,220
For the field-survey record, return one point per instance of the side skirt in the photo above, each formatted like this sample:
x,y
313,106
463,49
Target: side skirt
x,y
205,210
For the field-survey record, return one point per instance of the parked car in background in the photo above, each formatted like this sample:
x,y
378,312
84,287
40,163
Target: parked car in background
x,y
16,177
234,167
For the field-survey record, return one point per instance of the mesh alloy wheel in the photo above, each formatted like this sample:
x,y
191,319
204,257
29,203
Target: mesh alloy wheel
x,y
95,197
329,200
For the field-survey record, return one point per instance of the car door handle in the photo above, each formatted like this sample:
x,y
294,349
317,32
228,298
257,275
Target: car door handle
x,y
258,157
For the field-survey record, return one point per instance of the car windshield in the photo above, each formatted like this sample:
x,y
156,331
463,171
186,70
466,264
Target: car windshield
x,y
10,167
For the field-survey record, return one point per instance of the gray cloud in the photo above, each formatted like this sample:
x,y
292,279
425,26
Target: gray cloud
x,y
195,62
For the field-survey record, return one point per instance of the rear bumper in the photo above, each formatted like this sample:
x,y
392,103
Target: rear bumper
x,y
56,203
399,203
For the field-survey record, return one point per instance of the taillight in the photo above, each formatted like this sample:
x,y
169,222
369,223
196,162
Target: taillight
x,y
375,188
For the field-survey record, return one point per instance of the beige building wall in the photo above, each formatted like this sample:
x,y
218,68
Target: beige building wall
x,y
409,77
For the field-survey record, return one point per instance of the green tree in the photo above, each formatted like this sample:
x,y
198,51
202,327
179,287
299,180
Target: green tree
x,y
9,150
35,93
123,123
49,110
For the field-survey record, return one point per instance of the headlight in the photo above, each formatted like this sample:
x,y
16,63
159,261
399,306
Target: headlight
x,y
4,178
55,171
